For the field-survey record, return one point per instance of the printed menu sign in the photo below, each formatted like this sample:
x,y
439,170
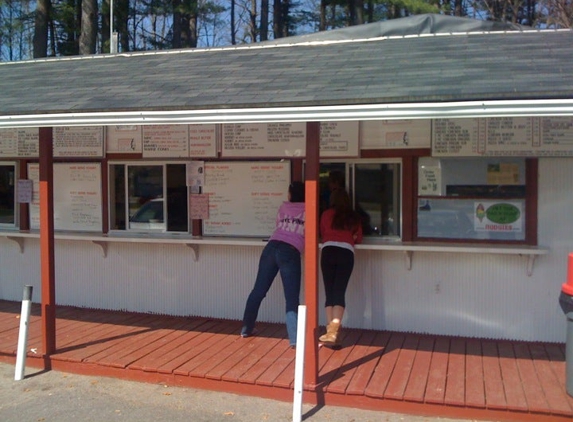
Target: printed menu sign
x,y
394,134
78,141
260,140
503,136
244,197
77,196
339,139
126,139
202,141
22,143
288,139
166,141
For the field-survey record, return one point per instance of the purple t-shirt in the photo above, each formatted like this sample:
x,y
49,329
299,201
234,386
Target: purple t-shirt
x,y
290,224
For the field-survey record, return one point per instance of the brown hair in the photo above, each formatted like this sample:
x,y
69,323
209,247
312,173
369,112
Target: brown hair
x,y
345,218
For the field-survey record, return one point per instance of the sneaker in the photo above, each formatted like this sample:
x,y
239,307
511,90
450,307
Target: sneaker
x,y
246,333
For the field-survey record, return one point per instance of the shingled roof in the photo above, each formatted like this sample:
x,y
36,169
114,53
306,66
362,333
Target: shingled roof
x,y
424,66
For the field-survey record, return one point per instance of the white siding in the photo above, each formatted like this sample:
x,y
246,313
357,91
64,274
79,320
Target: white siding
x,y
479,295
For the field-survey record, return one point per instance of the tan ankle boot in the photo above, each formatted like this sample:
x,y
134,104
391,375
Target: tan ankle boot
x,y
331,336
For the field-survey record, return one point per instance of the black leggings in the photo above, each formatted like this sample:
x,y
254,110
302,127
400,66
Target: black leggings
x,y
336,265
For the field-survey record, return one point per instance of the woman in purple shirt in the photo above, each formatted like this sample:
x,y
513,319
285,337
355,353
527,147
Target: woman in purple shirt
x,y
281,254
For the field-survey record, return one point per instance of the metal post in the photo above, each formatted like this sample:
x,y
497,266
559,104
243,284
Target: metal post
x,y
23,335
299,364
112,38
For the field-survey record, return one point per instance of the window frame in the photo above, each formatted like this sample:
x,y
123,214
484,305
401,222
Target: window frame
x,y
16,205
126,191
530,199
350,185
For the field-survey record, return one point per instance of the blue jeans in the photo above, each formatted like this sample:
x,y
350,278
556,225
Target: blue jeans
x,y
276,257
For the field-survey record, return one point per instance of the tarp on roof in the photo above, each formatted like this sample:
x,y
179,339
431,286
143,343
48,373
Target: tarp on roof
x,y
411,25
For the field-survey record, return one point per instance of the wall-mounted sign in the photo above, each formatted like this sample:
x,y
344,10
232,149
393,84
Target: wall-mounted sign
x,y
394,134
503,136
78,141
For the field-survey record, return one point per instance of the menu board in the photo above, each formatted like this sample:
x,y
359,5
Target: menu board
x,y
202,141
77,197
166,141
394,134
339,139
23,142
288,139
78,141
125,139
244,197
503,136
264,140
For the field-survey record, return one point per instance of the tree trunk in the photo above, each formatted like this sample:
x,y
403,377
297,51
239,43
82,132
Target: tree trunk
x,y
253,21
177,24
264,27
41,28
233,29
88,34
277,24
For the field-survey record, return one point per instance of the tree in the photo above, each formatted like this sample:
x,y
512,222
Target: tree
x,y
88,34
41,28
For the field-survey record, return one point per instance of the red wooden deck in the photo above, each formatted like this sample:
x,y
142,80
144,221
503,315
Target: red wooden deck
x,y
380,370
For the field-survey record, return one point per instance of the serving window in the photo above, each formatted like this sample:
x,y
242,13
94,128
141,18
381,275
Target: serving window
x,y
148,197
473,199
7,194
375,189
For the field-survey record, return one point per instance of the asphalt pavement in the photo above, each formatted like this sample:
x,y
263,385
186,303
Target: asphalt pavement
x,y
52,396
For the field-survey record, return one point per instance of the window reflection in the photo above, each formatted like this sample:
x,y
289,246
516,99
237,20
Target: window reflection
x,y
375,190
7,205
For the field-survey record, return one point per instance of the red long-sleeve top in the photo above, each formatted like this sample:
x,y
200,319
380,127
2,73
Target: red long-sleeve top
x,y
328,234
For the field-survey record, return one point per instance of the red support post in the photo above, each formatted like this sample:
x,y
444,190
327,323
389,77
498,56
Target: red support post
x,y
47,242
311,252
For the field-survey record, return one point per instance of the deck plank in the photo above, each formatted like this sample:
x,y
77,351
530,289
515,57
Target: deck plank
x,y
534,395
91,342
455,384
418,381
438,372
385,367
194,343
402,369
338,362
169,346
493,382
201,352
248,355
265,361
355,360
555,395
282,362
475,393
512,383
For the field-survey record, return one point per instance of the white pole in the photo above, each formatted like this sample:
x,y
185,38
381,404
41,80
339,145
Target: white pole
x,y
23,335
299,365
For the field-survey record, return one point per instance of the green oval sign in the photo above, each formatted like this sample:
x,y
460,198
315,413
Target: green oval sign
x,y
503,213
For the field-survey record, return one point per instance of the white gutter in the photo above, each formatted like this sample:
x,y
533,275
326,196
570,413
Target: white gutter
x,y
468,109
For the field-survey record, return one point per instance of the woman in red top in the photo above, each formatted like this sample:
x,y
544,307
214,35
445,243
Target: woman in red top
x,y
340,230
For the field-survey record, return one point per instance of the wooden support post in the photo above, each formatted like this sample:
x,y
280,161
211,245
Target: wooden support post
x,y
47,241
311,252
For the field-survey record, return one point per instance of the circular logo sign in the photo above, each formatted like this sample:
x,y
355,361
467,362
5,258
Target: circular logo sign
x,y
503,213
